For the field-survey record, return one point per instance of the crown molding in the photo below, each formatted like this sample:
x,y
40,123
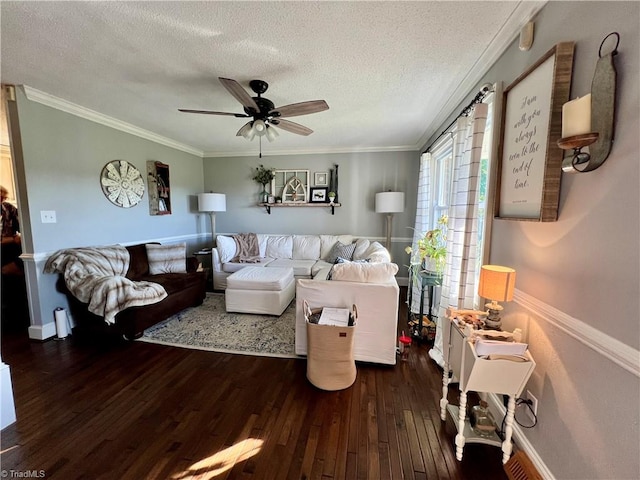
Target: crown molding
x,y
523,13
302,151
60,104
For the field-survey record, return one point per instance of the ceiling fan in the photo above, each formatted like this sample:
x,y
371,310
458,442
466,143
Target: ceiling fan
x,y
265,114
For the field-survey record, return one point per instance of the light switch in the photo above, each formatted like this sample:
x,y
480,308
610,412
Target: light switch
x,y
48,216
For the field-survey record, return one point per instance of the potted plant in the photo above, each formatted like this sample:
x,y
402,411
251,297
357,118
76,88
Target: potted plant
x,y
332,196
263,176
432,249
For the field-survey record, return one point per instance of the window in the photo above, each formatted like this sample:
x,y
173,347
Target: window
x,y
436,182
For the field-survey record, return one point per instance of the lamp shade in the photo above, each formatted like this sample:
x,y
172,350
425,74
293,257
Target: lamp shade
x,y
212,202
497,283
389,202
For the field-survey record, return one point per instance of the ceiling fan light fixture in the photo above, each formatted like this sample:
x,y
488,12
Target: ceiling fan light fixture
x,y
249,133
272,133
260,128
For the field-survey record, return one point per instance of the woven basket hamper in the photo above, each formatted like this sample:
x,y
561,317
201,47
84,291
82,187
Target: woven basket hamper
x,y
330,363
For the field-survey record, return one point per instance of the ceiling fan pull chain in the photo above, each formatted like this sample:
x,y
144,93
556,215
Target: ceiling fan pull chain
x,y
260,140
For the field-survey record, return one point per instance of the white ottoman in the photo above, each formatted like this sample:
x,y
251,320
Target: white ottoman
x,y
260,290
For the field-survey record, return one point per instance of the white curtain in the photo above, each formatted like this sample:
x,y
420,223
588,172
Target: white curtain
x,y
458,283
424,213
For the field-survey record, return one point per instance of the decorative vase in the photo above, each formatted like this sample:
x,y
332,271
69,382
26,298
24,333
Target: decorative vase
x,y
264,196
331,198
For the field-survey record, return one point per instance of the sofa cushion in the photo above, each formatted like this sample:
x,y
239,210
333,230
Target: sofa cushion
x,y
320,265
176,282
364,272
362,245
138,262
265,279
377,253
328,241
306,247
226,248
262,243
322,273
301,268
280,246
340,250
231,267
167,258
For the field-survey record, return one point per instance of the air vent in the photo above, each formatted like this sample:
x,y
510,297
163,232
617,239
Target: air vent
x,y
520,467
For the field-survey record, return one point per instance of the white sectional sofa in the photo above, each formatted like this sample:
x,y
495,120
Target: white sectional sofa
x,y
371,286
306,254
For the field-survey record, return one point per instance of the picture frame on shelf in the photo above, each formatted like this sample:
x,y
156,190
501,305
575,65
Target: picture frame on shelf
x,y
321,179
319,195
529,160
291,185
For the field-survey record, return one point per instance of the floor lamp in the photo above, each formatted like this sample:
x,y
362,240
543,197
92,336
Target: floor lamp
x,y
389,203
212,203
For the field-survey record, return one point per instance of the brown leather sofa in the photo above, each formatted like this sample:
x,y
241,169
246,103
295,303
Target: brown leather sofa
x,y
183,290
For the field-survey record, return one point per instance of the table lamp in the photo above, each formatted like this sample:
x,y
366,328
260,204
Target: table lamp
x,y
389,203
212,203
496,284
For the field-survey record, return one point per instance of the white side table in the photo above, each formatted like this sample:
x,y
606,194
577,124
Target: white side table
x,y
478,374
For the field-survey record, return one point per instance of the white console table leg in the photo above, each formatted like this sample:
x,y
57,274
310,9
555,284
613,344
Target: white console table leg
x,y
508,431
462,414
445,392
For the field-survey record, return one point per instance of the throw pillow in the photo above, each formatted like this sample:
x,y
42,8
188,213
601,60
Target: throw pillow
x,y
226,248
167,258
341,250
364,272
377,253
362,244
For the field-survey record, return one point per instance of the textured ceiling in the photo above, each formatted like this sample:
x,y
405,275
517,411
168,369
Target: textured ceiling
x,y
391,72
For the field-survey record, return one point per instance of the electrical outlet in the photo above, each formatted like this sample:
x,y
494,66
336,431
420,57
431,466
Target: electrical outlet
x,y
534,406
48,216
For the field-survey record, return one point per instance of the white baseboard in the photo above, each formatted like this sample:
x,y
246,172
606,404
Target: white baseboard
x,y
42,332
496,405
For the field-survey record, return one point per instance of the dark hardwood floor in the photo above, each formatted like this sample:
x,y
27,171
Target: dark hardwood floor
x,y
144,411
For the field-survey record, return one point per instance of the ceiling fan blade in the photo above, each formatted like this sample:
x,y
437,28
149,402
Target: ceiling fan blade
x,y
302,108
291,126
209,112
239,93
244,130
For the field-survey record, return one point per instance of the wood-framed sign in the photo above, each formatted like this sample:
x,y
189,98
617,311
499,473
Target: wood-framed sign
x,y
529,164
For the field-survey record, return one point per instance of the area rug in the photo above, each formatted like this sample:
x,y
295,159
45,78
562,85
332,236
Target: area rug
x,y
210,327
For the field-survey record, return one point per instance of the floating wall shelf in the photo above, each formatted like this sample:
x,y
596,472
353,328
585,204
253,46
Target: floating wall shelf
x,y
268,206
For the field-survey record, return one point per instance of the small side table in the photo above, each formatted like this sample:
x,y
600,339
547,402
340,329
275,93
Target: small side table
x,y
206,254
480,375
428,282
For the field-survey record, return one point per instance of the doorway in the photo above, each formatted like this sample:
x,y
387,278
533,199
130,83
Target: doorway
x,y
15,308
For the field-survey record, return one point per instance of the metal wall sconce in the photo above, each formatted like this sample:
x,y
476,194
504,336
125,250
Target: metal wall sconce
x,y
589,121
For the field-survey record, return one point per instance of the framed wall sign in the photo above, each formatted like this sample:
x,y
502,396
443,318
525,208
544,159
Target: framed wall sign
x,y
529,164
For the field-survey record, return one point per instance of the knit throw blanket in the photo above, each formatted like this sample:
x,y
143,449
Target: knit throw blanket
x,y
247,250
96,275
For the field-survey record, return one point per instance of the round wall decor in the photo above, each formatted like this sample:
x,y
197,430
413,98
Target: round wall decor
x,y
122,183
